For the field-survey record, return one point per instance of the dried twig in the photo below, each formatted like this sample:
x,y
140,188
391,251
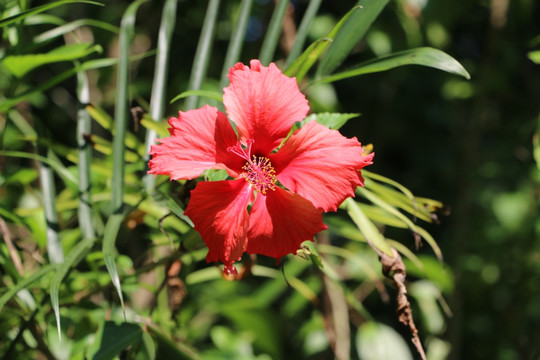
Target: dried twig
x,y
11,248
393,268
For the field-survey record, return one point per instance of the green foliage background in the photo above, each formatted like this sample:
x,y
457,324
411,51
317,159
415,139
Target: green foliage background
x,y
84,239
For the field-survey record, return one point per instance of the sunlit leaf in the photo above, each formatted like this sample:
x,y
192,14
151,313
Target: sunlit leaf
x,y
424,56
330,120
348,36
376,341
305,61
368,229
204,93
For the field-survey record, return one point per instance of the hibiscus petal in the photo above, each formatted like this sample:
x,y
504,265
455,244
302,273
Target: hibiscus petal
x,y
199,141
321,165
280,222
219,211
263,103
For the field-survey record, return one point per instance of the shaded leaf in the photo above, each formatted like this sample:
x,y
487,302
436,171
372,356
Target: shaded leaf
x,y
20,65
42,8
114,338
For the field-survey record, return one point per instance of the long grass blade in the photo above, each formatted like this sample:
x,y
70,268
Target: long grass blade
x,y
24,283
271,39
352,31
237,40
302,32
71,26
120,118
202,55
73,258
159,86
42,8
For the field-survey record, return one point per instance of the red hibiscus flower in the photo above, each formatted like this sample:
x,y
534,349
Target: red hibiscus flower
x,y
312,172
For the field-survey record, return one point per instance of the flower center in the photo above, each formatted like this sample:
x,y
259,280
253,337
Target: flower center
x,y
258,170
260,173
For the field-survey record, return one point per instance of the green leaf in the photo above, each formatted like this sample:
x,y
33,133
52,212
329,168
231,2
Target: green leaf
x,y
42,8
273,31
204,93
6,104
534,56
376,341
420,56
330,120
20,65
167,349
368,229
114,338
71,26
348,36
109,251
237,40
303,30
159,84
536,144
301,66
73,258
203,52
26,282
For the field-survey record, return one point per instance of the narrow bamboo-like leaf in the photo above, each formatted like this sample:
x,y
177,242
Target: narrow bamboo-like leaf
x,y
158,127
114,338
303,64
348,36
349,255
25,283
204,93
424,56
237,40
368,229
84,154
159,85
127,30
272,33
399,200
42,8
330,120
383,179
72,259
109,251
53,163
6,104
202,55
303,30
73,25
20,65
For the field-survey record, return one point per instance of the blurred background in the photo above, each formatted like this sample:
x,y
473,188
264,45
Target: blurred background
x,y
467,143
